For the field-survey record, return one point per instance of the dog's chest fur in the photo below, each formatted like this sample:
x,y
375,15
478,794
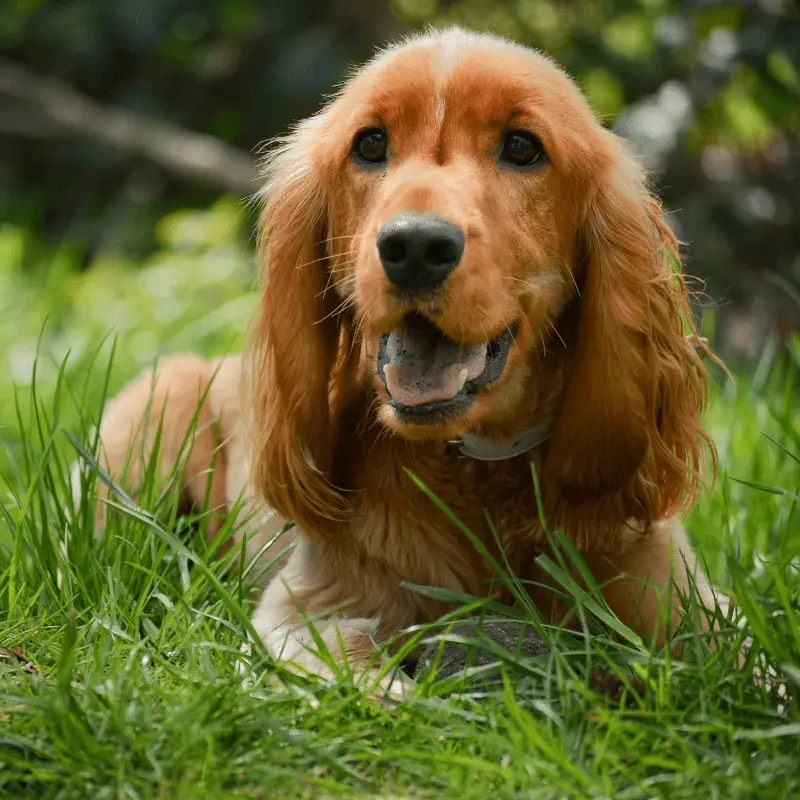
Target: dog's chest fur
x,y
398,525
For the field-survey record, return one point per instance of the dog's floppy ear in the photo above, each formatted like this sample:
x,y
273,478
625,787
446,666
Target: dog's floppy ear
x,y
294,343
627,441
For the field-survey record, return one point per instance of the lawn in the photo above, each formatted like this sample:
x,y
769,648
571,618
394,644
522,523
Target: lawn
x,y
118,667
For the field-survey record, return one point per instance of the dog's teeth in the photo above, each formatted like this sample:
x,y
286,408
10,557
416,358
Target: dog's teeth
x,y
386,371
462,378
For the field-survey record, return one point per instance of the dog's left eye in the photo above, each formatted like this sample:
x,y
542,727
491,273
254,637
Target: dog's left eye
x,y
371,146
522,149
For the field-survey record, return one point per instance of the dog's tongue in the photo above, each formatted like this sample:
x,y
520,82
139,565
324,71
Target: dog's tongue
x,y
424,366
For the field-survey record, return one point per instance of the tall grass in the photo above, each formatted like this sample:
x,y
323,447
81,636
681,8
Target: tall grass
x,y
118,668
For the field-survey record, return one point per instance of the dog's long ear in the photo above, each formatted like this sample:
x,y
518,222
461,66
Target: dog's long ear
x,y
294,342
627,441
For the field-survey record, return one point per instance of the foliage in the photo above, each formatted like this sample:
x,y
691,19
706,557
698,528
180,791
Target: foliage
x,y
192,292
239,70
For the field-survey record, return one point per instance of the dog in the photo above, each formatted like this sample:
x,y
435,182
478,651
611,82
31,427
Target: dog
x,y
467,281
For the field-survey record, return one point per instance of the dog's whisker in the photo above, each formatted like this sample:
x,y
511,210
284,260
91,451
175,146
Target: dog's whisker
x,y
346,281
325,258
356,338
544,344
574,282
555,331
347,236
359,324
340,267
348,302
514,278
483,311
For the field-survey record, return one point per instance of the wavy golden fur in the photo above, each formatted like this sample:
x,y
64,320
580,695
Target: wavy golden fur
x,y
573,258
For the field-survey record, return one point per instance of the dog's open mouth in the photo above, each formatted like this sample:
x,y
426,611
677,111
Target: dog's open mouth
x,y
426,372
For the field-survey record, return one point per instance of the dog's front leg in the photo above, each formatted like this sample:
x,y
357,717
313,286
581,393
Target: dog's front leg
x,y
644,581
302,619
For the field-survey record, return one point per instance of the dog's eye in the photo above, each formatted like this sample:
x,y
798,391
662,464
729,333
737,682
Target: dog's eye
x,y
371,145
522,149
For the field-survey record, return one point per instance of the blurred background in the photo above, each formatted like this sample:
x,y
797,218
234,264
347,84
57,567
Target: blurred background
x,y
129,130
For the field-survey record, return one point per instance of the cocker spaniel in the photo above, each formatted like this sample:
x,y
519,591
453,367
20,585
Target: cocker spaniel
x,y
467,279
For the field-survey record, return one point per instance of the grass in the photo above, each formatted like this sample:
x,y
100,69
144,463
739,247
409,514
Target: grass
x,y
118,656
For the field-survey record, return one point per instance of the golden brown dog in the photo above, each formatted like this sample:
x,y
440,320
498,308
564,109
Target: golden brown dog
x,y
466,276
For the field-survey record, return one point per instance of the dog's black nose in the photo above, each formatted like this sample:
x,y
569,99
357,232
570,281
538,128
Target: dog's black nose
x,y
419,251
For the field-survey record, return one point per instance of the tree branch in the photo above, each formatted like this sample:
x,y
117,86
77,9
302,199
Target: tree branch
x,y
194,156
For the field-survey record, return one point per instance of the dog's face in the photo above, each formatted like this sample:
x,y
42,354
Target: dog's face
x,y
454,226
457,224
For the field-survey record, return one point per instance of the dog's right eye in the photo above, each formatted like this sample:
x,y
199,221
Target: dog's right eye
x,y
522,149
371,146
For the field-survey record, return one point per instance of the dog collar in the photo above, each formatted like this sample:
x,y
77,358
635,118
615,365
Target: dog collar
x,y
473,446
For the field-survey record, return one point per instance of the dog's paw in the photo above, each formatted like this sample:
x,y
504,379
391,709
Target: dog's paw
x,y
391,688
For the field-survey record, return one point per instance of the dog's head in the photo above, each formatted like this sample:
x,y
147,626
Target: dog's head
x,y
459,222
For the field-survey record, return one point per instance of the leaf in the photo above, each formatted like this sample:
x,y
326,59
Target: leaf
x,y
769,489
790,729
